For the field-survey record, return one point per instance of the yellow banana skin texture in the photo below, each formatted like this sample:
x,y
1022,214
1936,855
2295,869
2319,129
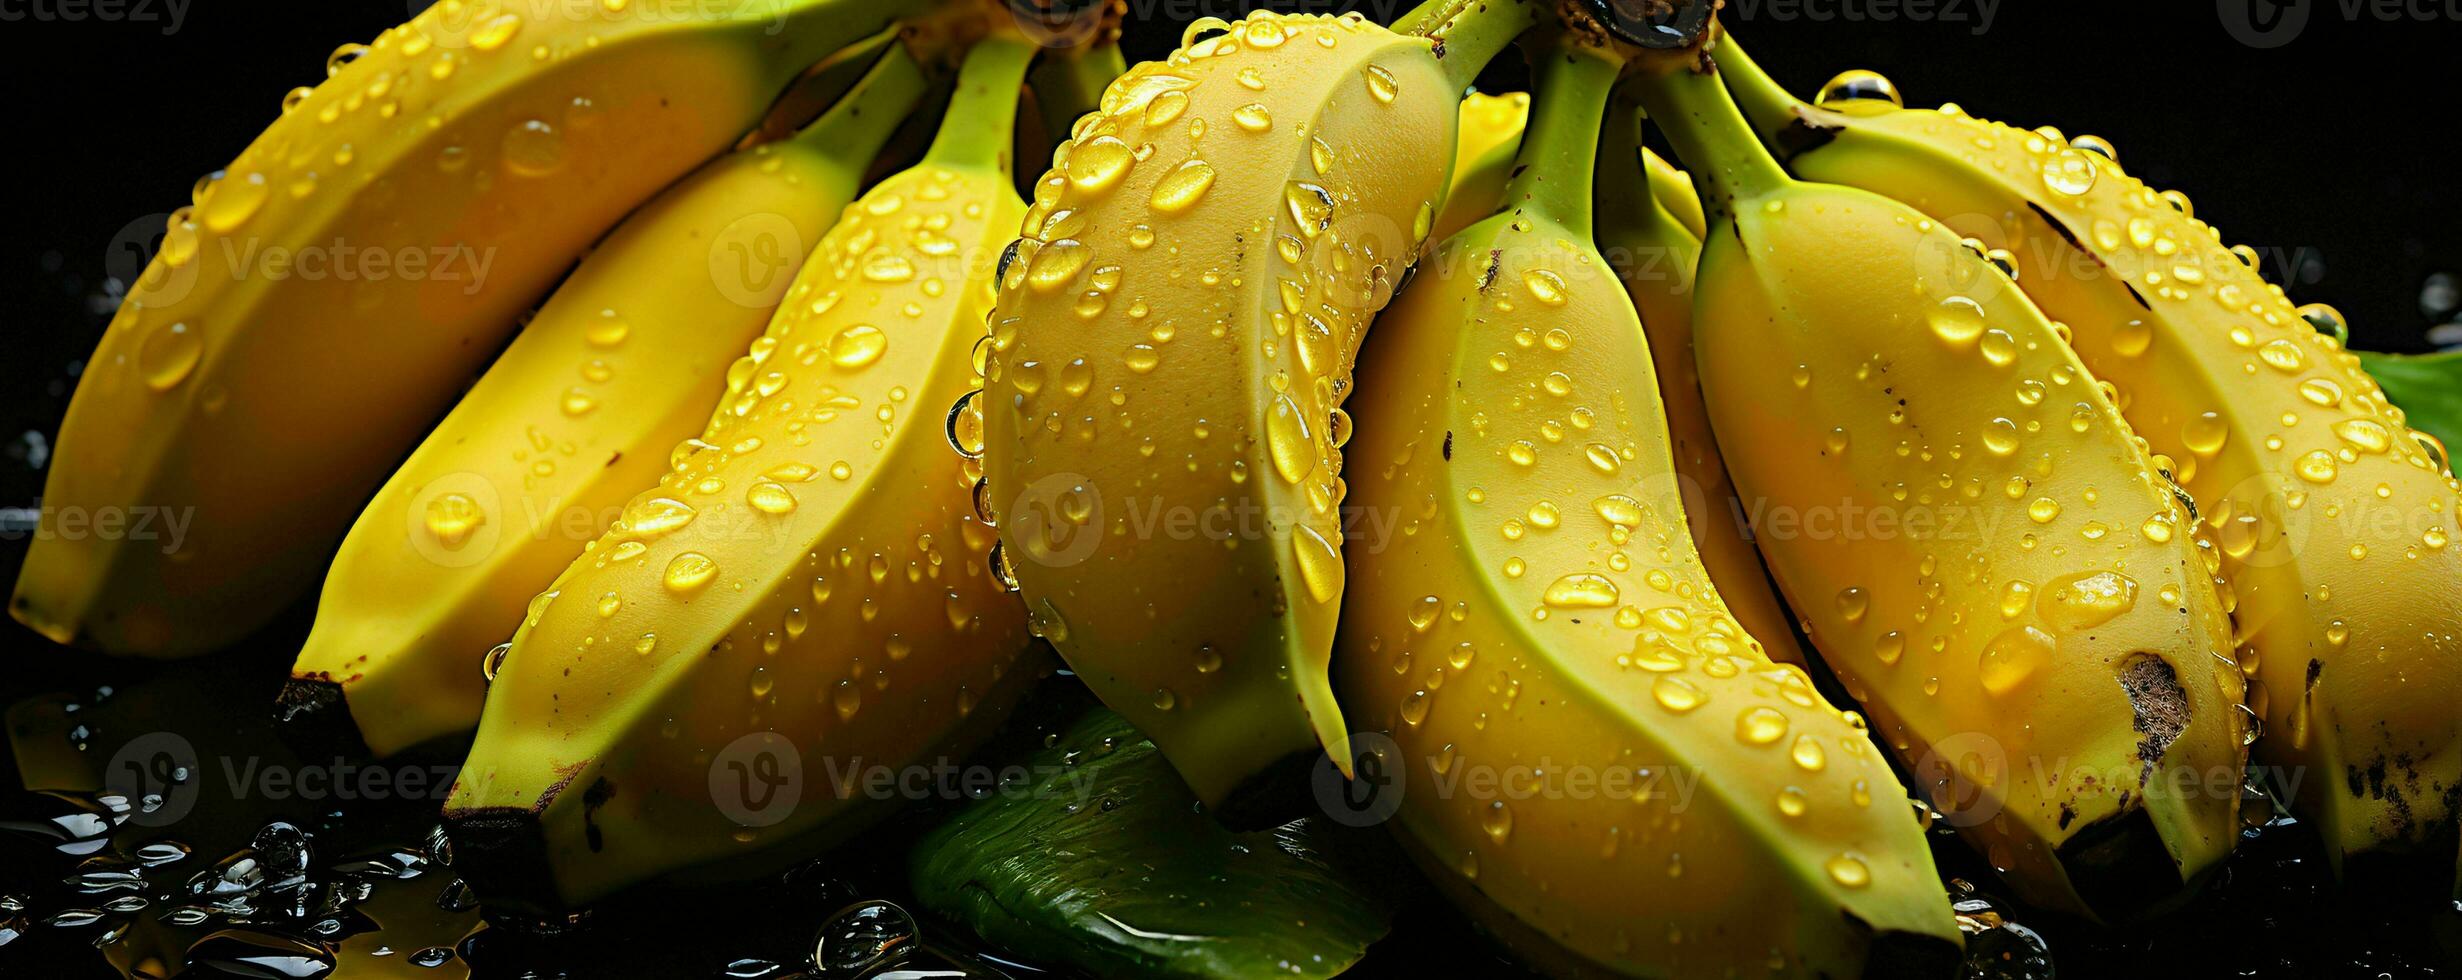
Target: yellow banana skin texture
x,y
1174,338
1648,240
1540,623
810,567
1983,555
620,365
2334,522
460,172
1486,137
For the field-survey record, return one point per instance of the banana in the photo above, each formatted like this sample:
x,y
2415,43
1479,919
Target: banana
x,y
1486,138
1653,249
1174,336
2333,516
320,304
1541,623
621,364
808,577
1983,552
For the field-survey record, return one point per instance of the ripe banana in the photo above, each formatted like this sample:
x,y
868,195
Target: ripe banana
x,y
340,279
1487,135
1984,554
2333,517
1653,250
621,364
809,574
1169,355
1542,617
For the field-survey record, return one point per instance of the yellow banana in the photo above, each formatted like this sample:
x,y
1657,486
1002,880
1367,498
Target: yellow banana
x,y
620,365
1486,137
322,301
1984,554
1170,351
807,578
2333,517
1653,249
1661,800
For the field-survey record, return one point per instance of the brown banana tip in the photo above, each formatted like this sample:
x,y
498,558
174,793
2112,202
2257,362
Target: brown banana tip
x,y
313,718
1660,25
2120,867
501,852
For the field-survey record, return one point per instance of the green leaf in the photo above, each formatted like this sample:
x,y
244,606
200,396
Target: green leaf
x,y
2427,387
1102,860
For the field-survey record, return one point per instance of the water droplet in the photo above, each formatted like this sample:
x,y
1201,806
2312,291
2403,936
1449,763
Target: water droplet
x,y
1581,590
2316,467
858,346
1545,286
1957,319
1858,85
1677,694
1288,440
689,573
1761,725
2012,656
1320,563
1381,84
533,149
1849,871
2084,600
169,355
1096,165
769,497
1182,188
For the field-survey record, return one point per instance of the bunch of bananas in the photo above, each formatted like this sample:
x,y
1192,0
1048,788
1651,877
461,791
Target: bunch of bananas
x,y
800,460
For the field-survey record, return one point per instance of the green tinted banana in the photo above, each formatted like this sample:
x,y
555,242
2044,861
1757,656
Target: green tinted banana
x,y
808,576
620,365
1486,137
1983,552
1662,799
1653,249
1168,359
2333,518
327,294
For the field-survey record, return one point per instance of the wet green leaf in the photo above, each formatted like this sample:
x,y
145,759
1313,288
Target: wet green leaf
x,y
1102,860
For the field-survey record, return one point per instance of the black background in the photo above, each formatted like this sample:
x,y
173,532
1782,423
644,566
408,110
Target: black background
x,y
2340,147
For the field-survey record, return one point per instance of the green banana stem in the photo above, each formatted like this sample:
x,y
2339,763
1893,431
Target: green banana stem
x,y
1642,216
1469,33
1684,96
1068,84
1769,105
979,128
871,110
1552,171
